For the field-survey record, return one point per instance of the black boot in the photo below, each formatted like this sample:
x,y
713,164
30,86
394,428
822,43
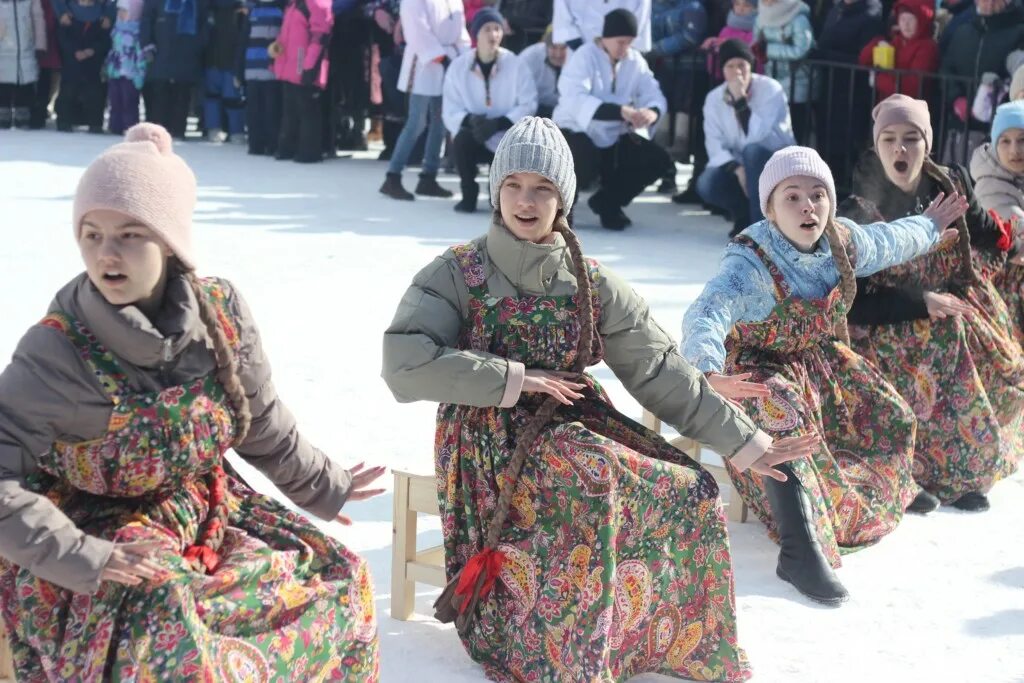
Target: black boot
x,y
975,501
609,212
668,184
923,503
688,196
801,560
392,187
428,187
470,192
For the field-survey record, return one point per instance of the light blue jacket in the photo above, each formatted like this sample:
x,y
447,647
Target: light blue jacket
x,y
785,45
743,289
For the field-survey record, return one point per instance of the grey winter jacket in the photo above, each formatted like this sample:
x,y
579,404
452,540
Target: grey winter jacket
x,y
995,186
423,361
47,392
22,32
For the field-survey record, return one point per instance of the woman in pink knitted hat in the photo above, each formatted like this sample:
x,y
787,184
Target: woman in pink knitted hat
x,y
131,550
936,326
776,314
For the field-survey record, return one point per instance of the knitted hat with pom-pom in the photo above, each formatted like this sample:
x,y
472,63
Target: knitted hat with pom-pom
x,y
143,178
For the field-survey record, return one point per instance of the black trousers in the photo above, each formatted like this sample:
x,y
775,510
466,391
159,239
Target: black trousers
x,y
41,93
81,102
467,153
263,115
168,103
625,169
15,101
302,122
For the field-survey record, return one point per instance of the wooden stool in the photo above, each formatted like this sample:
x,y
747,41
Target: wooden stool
x,y
735,508
414,493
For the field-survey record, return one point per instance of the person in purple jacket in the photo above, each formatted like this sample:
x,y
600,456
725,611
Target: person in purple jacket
x,y
301,63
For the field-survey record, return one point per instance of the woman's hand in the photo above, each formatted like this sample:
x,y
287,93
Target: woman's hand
x,y
275,50
131,563
360,480
784,450
944,305
735,387
944,210
555,384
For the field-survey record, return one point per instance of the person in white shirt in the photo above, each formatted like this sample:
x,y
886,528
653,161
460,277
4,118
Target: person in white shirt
x,y
486,91
607,98
545,60
435,33
577,22
746,120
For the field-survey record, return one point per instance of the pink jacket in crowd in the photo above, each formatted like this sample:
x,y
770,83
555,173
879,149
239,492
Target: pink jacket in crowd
x,y
305,35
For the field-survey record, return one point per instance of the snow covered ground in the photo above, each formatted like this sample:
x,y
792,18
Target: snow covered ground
x,y
323,259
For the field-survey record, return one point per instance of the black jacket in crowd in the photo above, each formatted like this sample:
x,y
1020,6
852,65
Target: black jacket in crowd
x,y
981,45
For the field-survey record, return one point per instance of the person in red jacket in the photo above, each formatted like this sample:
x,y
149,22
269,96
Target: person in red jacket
x,y
916,50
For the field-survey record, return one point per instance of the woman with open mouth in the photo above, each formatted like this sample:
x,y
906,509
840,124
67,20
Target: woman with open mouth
x,y
776,312
936,326
579,545
131,550
998,171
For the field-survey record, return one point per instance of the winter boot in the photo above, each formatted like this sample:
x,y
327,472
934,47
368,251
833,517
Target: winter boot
x,y
470,192
923,503
428,187
610,213
668,183
22,117
975,501
392,187
801,560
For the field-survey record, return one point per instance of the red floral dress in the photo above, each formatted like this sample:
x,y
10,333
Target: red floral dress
x,y
617,553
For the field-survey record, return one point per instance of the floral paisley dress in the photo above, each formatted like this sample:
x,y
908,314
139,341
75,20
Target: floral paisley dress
x,y
284,602
617,554
859,480
964,378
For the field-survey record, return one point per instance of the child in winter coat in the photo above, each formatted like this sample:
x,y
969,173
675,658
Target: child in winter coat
x,y
125,69
115,415
501,331
963,376
485,92
739,25
783,32
223,103
262,25
915,47
22,35
777,310
301,64
998,171
84,43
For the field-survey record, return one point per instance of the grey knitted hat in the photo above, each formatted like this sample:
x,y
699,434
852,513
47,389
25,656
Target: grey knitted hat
x,y
535,145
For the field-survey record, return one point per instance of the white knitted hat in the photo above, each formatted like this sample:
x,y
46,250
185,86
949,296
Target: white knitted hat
x,y
535,145
793,161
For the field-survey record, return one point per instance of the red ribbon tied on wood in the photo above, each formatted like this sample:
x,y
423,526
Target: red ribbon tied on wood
x,y
488,562
1005,241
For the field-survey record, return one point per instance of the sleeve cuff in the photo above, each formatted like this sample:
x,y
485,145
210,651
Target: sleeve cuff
x,y
513,384
751,451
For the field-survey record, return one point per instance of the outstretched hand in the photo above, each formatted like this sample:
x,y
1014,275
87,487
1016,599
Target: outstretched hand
x,y
946,209
360,480
784,450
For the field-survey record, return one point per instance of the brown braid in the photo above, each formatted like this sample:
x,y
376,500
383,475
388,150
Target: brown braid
x,y
963,244
847,276
201,556
449,606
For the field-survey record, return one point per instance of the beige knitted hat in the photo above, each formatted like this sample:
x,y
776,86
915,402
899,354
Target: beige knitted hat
x,y
143,178
902,109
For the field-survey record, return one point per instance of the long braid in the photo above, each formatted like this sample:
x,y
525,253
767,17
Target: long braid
x,y
202,555
847,276
452,604
963,244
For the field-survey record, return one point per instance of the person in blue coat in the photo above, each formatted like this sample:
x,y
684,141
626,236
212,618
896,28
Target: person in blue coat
x,y
174,34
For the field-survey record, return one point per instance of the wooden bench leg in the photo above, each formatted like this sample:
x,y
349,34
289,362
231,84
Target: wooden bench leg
x,y
403,551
